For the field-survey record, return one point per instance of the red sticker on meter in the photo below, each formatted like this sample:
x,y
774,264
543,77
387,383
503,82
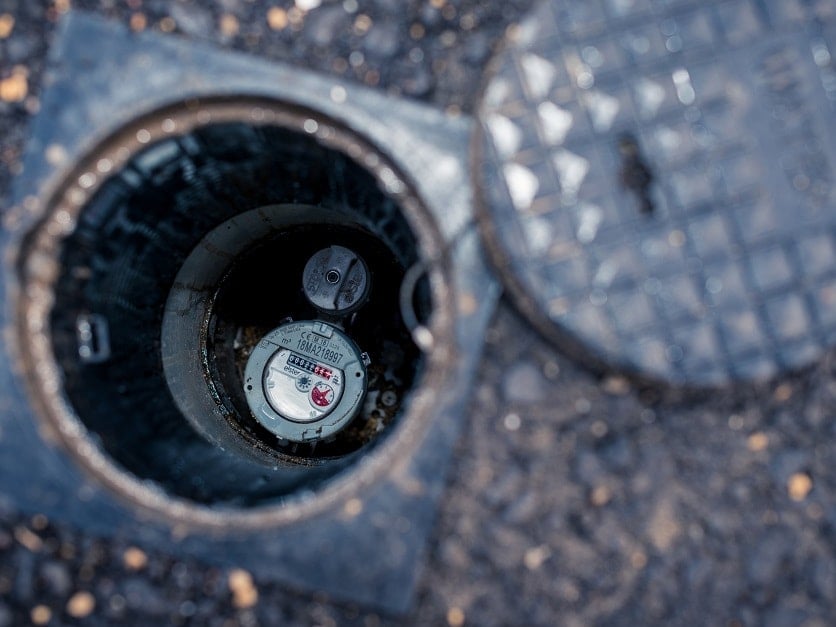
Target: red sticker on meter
x,y
322,395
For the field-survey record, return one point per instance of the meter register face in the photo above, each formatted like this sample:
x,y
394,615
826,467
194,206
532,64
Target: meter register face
x,y
300,388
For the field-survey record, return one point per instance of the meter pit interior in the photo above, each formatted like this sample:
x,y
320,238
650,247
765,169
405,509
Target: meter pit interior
x,y
181,263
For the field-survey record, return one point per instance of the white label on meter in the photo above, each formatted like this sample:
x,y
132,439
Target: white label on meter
x,y
300,388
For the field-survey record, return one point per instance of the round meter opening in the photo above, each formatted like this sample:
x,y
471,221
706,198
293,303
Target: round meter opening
x,y
223,306
177,262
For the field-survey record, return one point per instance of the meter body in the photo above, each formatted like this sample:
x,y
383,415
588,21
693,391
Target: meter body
x,y
305,380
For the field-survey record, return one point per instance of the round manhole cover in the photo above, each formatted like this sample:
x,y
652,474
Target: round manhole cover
x,y
657,182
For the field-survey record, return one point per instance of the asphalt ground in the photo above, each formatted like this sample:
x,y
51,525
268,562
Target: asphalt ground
x,y
575,498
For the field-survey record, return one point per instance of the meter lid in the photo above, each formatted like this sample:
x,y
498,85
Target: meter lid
x,y
336,280
656,187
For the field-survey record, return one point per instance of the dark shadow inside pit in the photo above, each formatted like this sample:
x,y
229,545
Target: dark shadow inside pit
x,y
264,287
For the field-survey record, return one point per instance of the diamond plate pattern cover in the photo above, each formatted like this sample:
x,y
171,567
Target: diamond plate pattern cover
x,y
657,182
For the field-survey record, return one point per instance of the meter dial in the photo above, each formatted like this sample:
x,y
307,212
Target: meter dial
x,y
322,395
299,388
305,381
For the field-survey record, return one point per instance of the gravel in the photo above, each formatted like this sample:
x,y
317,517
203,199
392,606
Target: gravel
x,y
635,506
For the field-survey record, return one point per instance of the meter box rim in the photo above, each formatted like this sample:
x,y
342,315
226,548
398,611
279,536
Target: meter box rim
x,y
35,243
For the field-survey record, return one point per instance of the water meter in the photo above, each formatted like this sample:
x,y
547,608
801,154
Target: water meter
x,y
306,380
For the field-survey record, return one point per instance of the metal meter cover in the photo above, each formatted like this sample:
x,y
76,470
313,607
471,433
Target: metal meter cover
x,y
305,381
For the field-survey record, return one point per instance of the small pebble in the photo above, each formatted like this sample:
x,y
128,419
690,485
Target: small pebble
x,y
277,18
7,24
617,386
600,496
455,617
512,422
799,486
28,539
15,87
757,441
534,557
229,25
138,22
40,615
638,559
307,5
362,24
244,592
467,304
81,604
599,428
134,558
353,507
782,393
